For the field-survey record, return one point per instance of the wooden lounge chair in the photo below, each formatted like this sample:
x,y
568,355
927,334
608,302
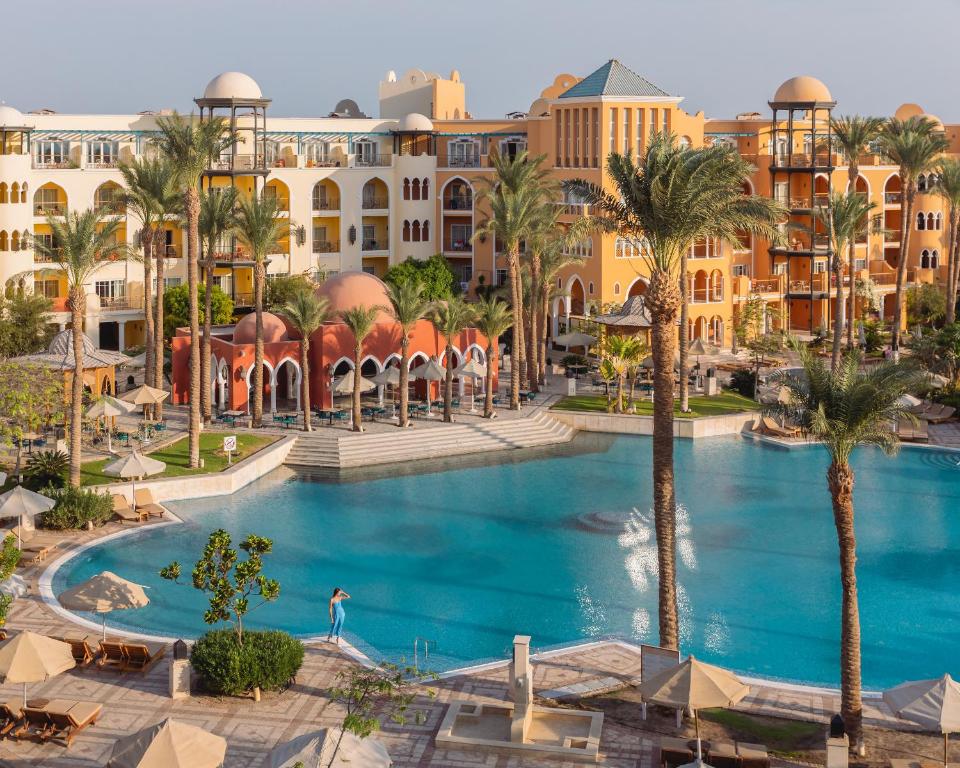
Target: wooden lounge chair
x,y
753,755
126,513
910,431
68,718
771,427
35,724
723,754
142,656
11,716
37,551
674,752
83,653
941,414
146,503
112,655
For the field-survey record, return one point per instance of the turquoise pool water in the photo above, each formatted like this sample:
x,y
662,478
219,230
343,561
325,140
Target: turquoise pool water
x,y
468,557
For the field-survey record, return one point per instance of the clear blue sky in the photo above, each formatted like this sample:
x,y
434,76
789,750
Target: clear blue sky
x,y
723,56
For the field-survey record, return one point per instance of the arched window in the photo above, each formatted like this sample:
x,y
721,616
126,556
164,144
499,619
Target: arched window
x,y
15,193
930,222
3,241
406,188
425,190
15,241
716,285
416,189
924,259
939,221
590,288
935,259
616,289
23,192
406,231
559,282
921,220
426,231
4,194
416,231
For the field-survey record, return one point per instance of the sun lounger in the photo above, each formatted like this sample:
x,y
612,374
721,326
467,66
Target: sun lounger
x,y
771,427
37,552
146,503
35,724
83,652
68,718
723,754
753,755
942,414
674,752
142,656
11,716
910,431
126,513
112,655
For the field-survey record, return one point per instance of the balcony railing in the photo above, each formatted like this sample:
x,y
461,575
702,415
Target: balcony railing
x,y
884,278
43,258
239,163
171,252
117,302
706,295
460,161
58,208
331,161
326,246
102,164
575,209
892,198
383,160
803,160
326,205
374,203
283,203
374,245
458,203
891,235
53,164
458,246
769,285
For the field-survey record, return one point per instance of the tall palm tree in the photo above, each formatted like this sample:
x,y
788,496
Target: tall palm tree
x,y
516,194
407,307
845,218
543,232
360,321
80,241
555,257
306,312
845,408
189,146
915,145
948,187
217,208
493,318
671,197
450,318
258,227
853,134
170,206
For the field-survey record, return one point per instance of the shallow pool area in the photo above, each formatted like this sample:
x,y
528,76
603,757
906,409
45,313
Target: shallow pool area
x,y
561,547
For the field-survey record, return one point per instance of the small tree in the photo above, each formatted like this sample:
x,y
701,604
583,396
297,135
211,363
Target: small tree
x,y
176,308
761,348
369,694
24,324
434,275
229,583
31,397
748,320
9,557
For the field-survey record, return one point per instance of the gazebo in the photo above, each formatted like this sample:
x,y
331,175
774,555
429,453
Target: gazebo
x,y
99,365
633,318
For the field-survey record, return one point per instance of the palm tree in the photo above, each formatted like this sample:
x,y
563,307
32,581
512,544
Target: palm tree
x,y
915,145
671,197
217,208
407,307
554,258
845,218
948,187
844,408
450,318
360,321
80,241
619,351
493,318
853,134
258,227
189,146
169,205
306,312
516,195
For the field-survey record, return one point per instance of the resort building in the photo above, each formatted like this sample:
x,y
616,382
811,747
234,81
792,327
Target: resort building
x,y
362,193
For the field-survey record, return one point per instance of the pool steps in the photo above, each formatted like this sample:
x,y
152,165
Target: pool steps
x,y
438,441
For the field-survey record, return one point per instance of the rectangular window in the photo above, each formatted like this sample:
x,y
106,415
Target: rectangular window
x,y
566,137
110,289
741,270
666,120
576,138
460,235
52,154
626,131
613,130
501,276
596,136
819,267
585,149
859,264
318,153
639,131
101,154
47,288
780,268
653,124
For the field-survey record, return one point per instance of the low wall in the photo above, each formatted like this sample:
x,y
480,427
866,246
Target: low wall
x,y
215,484
626,424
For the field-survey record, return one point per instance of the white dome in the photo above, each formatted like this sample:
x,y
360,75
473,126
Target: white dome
x,y
232,85
415,122
12,118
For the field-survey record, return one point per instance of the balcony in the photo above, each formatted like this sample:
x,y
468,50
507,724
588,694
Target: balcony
x,y
458,246
43,258
891,236
283,203
101,164
384,160
326,205
768,285
574,209
374,245
327,161
239,163
50,208
458,203
706,295
171,252
803,160
116,303
374,203
53,164
461,161
892,198
326,246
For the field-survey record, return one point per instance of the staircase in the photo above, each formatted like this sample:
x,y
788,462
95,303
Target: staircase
x,y
436,441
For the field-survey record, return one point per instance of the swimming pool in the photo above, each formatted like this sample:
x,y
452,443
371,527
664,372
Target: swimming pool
x,y
468,557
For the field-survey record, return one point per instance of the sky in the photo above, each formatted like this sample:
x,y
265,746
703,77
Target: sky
x,y
722,56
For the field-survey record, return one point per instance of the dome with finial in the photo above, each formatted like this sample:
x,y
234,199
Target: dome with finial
x,y
355,289
802,90
232,85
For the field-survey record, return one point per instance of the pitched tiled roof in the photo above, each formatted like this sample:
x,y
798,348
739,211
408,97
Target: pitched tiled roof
x,y
613,79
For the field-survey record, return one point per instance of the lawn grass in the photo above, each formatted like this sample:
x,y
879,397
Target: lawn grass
x,y
176,457
786,737
725,403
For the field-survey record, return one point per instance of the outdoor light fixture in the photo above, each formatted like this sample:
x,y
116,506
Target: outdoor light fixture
x,y
352,234
301,235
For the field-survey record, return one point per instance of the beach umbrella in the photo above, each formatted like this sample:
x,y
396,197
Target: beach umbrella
x,y
389,375
429,371
21,503
575,339
169,744
133,466
694,685
15,586
474,369
315,750
344,385
108,406
31,658
145,395
932,704
696,348
907,400
102,594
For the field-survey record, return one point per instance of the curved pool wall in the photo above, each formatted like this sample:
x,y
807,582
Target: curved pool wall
x,y
562,548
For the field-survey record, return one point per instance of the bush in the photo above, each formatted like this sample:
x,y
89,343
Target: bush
x,y
47,469
742,381
573,359
873,335
267,660
75,508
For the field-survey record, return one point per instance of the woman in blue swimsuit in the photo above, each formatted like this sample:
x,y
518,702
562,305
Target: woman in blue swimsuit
x,y
337,614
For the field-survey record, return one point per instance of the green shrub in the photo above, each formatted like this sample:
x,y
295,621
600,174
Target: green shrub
x,y
47,469
76,507
573,359
873,335
266,660
742,381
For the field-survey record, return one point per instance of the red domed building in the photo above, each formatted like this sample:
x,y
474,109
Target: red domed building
x,y
331,351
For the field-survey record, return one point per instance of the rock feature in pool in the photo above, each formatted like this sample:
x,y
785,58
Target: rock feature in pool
x,y
520,725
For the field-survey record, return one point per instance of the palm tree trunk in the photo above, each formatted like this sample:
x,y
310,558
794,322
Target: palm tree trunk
x,y
488,379
853,171
514,272
148,333
951,309
534,342
158,330
404,418
192,205
206,403
684,335
357,415
840,481
544,319
257,413
838,300
305,382
448,386
909,193
522,338
664,303
77,305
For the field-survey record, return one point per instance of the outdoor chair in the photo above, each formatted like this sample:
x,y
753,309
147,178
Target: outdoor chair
x,y
126,513
11,716
35,724
146,503
771,427
37,552
723,754
940,414
112,655
674,752
67,718
83,654
141,656
913,432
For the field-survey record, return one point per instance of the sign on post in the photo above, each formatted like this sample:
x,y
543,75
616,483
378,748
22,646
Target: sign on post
x,y
229,446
